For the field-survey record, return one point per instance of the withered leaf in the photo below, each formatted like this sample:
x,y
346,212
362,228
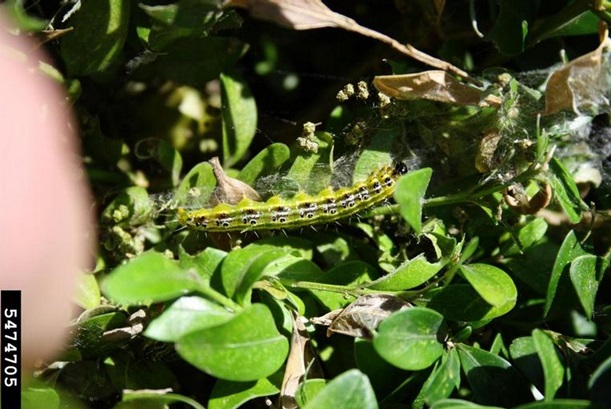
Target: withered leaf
x,y
581,85
228,189
362,317
433,85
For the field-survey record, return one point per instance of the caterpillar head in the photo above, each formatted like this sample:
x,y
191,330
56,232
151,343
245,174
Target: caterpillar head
x,y
400,168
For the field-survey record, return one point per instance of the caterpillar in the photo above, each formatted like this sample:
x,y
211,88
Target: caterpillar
x,y
301,210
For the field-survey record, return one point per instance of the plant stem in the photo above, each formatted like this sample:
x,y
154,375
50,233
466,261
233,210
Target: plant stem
x,y
309,285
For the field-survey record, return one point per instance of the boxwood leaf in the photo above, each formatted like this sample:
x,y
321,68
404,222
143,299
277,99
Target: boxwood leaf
x,y
459,404
566,191
524,354
148,278
200,177
460,302
242,268
246,348
553,369
409,193
187,314
558,404
131,207
239,113
231,395
100,29
153,400
87,293
599,383
266,162
411,339
586,272
492,284
409,274
308,389
383,376
444,378
350,390
493,380
569,251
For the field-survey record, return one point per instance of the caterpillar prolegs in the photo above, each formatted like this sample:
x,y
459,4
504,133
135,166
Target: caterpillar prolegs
x,y
301,210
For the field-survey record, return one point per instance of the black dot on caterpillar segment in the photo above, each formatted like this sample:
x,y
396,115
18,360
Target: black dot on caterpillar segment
x,y
363,193
377,187
388,181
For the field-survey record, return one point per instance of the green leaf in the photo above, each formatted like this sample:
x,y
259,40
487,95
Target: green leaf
x,y
409,194
584,23
383,376
411,339
569,251
295,245
534,267
586,272
148,278
350,390
559,404
242,268
87,291
197,186
204,263
492,284
100,29
131,207
493,380
231,395
195,61
523,352
378,153
188,314
18,14
268,161
459,404
246,348
308,389
565,191
528,236
312,171
599,383
444,378
511,25
145,399
170,159
553,369
39,397
239,113
409,274
90,331
460,302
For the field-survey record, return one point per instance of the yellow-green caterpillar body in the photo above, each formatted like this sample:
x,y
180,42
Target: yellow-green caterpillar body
x,y
301,210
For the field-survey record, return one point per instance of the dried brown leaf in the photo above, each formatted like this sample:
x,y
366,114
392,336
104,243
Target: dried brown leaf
x,y
228,189
433,85
581,85
300,357
362,317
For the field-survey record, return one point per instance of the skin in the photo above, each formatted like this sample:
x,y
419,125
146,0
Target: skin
x,y
45,211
